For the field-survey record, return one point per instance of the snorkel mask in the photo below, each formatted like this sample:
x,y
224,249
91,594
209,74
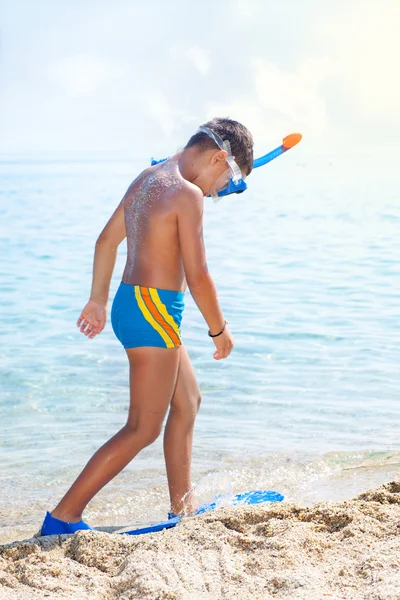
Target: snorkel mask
x,y
236,174
236,184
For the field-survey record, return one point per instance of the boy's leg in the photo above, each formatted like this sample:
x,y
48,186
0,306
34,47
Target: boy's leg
x,y
152,375
178,433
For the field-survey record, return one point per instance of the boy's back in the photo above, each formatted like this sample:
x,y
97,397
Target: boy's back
x,y
152,209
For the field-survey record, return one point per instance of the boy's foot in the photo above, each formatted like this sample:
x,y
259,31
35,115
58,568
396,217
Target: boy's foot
x,y
187,511
53,526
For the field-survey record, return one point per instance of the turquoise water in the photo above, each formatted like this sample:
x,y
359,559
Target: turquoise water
x,y
307,267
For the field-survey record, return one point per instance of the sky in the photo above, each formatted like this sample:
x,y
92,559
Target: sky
x,y
136,78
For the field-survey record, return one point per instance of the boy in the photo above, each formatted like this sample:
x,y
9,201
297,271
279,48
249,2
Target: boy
x,y
161,216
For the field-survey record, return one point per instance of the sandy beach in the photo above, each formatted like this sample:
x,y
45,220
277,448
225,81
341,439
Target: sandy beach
x,y
340,550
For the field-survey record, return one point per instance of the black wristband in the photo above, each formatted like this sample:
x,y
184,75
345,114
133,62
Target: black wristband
x,y
217,334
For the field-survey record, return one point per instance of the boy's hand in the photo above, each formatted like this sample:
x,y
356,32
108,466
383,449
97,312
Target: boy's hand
x,y
92,319
224,344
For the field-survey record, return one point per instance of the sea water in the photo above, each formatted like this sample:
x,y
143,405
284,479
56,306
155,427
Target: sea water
x,y
306,263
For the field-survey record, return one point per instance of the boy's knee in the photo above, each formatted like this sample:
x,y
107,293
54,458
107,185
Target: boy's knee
x,y
187,411
145,432
196,403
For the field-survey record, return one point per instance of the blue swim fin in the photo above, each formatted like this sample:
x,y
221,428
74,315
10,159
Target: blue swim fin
x,y
53,526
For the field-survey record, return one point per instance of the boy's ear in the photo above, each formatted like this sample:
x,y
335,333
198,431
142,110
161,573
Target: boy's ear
x,y
218,156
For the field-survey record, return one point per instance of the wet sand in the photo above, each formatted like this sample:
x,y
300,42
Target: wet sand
x,y
339,550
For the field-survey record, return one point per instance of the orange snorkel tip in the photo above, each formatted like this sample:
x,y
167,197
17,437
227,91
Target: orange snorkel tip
x,y
291,140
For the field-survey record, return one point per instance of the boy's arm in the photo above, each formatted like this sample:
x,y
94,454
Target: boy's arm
x,y
93,317
105,255
201,285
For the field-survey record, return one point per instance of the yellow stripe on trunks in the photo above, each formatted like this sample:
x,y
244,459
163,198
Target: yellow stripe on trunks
x,y
149,317
163,310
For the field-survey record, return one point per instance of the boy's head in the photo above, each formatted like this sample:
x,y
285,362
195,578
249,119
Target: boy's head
x,y
223,144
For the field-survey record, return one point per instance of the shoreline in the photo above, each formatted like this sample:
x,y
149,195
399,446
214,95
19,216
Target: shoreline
x,y
348,550
140,494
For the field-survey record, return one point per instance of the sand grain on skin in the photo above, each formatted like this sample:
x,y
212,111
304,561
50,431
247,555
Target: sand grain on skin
x,y
339,550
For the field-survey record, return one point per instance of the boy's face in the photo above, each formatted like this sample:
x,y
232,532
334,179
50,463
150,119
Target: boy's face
x,y
221,183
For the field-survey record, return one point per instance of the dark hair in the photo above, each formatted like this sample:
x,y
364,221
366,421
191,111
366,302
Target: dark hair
x,y
238,136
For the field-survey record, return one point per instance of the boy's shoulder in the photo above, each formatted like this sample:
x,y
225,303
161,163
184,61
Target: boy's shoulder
x,y
188,200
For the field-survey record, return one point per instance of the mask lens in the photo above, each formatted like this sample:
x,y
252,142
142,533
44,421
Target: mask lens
x,y
220,184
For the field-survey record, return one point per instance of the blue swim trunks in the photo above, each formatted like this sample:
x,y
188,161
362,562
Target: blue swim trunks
x,y
143,316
